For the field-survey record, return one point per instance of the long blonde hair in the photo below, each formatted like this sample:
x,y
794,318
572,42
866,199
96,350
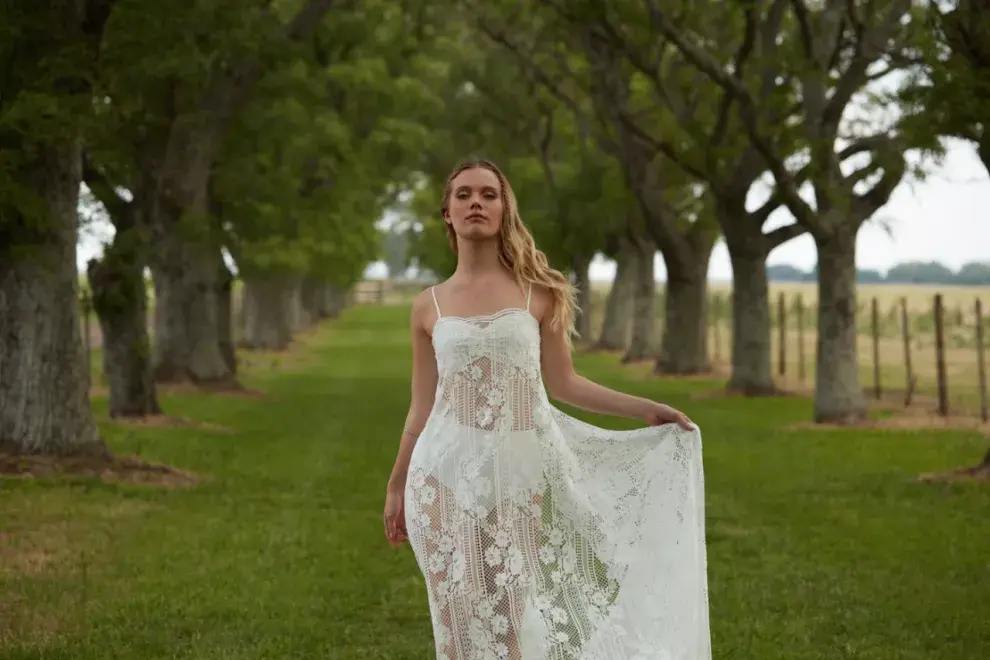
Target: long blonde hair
x,y
517,250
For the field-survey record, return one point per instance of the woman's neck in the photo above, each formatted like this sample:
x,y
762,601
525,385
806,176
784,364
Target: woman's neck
x,y
477,259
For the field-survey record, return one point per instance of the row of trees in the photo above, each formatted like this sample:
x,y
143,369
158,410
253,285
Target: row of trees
x,y
972,273
631,128
270,135
275,134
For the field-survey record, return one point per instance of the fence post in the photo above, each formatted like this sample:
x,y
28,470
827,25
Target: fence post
x,y
906,334
782,329
800,325
981,363
875,322
943,399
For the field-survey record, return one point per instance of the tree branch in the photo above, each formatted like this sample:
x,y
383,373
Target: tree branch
x,y
747,110
781,235
97,13
739,62
804,28
869,45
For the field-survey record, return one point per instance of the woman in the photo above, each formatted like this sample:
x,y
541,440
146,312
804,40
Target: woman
x,y
539,536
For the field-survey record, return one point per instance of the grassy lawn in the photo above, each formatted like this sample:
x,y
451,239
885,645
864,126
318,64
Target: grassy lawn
x,y
821,543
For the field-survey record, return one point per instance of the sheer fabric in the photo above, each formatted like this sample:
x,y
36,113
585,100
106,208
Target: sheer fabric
x,y
542,537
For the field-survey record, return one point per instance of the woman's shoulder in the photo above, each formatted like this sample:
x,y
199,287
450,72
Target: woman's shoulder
x,y
424,303
541,299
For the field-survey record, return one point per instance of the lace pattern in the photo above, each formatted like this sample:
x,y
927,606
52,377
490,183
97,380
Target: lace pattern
x,y
542,537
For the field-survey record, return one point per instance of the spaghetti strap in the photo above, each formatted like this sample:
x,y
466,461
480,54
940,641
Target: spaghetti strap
x,y
435,303
529,294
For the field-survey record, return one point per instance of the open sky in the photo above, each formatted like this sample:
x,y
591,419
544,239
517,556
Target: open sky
x,y
945,217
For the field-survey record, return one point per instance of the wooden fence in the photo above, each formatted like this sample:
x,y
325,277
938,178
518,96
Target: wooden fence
x,y
906,355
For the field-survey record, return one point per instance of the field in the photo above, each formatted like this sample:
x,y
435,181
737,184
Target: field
x,y
962,378
822,544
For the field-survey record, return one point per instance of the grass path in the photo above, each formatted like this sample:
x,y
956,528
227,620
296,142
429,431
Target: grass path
x,y
821,544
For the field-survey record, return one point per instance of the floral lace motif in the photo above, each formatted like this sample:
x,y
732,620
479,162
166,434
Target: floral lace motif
x,y
542,537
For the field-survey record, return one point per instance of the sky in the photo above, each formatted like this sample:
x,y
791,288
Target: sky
x,y
943,217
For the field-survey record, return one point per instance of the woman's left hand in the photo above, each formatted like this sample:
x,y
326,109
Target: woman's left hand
x,y
661,413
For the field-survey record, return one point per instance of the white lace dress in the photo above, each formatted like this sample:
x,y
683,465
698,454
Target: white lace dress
x,y
542,537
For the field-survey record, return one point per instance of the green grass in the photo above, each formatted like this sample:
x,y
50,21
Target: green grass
x,y
821,543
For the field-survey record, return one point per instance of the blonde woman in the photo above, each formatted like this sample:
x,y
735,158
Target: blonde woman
x,y
540,537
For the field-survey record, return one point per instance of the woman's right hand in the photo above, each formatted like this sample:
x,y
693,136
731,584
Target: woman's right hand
x,y
395,516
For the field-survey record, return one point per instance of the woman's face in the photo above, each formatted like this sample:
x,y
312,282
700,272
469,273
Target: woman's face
x,y
474,209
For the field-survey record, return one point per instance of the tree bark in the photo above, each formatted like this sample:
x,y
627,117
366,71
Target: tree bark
x,y
268,312
838,394
298,313
311,298
644,291
120,299
44,387
617,322
582,281
187,318
684,347
752,373
336,300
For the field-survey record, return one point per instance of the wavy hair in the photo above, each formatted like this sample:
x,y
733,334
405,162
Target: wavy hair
x,y
517,250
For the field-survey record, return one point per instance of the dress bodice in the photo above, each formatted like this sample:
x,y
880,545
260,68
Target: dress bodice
x,y
489,370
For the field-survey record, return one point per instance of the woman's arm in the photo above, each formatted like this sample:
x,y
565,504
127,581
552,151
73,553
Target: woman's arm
x,y
564,384
424,384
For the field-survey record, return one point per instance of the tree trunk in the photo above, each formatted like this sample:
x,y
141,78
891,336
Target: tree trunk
x,y
752,373
44,387
187,322
582,318
268,312
225,316
335,299
311,297
120,299
298,314
684,347
838,394
644,292
618,305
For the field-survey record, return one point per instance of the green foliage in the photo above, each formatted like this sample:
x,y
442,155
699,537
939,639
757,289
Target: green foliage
x,y
323,145
951,92
48,63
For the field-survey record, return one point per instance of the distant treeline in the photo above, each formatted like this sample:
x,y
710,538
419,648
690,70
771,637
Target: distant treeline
x,y
910,272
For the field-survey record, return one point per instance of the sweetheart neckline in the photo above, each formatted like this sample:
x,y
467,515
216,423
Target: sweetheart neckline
x,y
491,318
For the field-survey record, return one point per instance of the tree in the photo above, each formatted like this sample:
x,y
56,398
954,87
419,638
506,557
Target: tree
x,y
588,77
834,50
953,90
708,145
49,50
183,95
120,299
